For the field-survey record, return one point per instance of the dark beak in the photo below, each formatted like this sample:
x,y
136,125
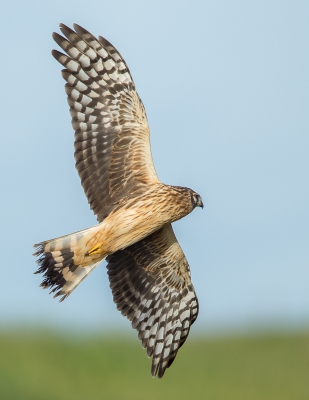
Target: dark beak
x,y
200,203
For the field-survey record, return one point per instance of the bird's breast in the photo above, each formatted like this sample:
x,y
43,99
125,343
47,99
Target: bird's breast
x,y
140,217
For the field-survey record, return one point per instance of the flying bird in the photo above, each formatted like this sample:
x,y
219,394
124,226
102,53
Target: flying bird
x,y
148,272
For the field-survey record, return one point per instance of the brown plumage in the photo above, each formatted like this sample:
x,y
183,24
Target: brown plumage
x,y
148,272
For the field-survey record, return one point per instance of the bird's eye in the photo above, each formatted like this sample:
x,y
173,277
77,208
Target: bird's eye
x,y
195,198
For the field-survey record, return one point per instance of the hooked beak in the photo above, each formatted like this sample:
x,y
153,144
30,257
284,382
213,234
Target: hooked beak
x,y
200,203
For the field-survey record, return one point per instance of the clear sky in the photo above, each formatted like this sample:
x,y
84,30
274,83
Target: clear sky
x,y
226,89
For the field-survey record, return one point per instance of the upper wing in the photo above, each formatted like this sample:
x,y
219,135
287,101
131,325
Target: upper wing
x,y
112,147
151,286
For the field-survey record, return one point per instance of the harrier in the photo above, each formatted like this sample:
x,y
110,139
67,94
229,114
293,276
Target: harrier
x,y
148,272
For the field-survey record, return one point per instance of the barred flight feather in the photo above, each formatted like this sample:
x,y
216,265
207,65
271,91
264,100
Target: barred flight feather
x,y
108,118
162,310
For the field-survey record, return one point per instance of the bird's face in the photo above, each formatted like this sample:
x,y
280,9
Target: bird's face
x,y
196,200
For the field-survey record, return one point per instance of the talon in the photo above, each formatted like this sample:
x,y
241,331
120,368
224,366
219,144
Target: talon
x,y
94,250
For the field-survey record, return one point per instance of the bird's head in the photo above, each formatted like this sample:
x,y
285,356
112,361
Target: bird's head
x,y
196,200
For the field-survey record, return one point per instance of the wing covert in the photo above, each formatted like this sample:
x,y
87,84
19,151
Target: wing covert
x,y
151,286
112,146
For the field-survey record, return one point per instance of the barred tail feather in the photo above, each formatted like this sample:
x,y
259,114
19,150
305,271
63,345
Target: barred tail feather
x,y
65,261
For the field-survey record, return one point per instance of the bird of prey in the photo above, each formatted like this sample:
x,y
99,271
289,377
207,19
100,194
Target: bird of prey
x,y
148,272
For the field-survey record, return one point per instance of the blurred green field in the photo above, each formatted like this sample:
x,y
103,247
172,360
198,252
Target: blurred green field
x,y
47,366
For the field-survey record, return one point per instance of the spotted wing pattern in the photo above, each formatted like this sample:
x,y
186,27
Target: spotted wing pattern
x,y
151,286
112,147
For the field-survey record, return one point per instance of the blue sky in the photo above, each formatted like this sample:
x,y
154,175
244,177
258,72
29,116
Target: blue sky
x,y
225,86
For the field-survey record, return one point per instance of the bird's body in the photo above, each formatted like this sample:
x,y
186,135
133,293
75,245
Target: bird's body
x,y
149,274
137,218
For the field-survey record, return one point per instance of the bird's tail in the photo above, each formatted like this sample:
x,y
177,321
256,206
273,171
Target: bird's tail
x,y
67,260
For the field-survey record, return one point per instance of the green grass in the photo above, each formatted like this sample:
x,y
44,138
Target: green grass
x,y
46,366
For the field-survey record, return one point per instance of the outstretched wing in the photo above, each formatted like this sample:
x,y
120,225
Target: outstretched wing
x,y
151,286
112,147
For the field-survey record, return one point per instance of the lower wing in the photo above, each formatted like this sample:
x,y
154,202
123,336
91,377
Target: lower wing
x,y
151,286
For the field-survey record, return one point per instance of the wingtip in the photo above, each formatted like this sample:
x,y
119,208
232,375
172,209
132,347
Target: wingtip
x,y
154,369
55,35
160,376
81,31
158,369
76,26
56,54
